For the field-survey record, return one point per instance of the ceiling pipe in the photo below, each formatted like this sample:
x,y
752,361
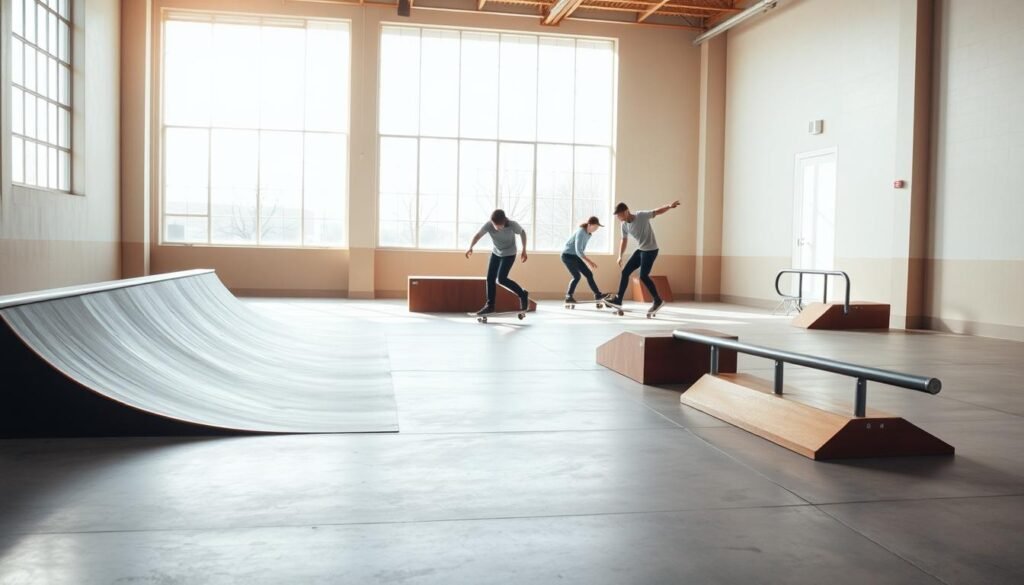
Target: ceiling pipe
x,y
753,10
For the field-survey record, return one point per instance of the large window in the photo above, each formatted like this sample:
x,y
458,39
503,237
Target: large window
x,y
473,120
41,93
255,130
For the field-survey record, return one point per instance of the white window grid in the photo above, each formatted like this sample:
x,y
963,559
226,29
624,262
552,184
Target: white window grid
x,y
42,29
497,154
211,129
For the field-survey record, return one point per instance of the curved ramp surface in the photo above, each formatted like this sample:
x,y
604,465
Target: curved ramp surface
x,y
179,354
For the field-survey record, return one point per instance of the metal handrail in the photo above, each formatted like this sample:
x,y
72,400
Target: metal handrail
x,y
800,284
862,373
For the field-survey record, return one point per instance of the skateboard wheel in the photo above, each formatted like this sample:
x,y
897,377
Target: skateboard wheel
x,y
521,316
621,313
600,306
649,315
482,319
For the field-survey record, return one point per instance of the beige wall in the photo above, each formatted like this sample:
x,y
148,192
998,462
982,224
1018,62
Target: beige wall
x,y
50,239
851,64
976,272
656,157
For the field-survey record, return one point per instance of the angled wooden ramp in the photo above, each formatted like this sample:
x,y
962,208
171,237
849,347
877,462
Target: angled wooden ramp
x,y
862,315
456,294
817,433
655,357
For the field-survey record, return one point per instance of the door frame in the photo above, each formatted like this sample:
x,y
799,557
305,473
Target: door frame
x,y
797,218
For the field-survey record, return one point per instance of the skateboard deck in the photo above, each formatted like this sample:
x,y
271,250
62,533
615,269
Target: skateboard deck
x,y
483,318
597,304
620,310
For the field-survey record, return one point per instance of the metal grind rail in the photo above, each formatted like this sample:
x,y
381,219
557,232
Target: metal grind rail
x,y
800,285
863,374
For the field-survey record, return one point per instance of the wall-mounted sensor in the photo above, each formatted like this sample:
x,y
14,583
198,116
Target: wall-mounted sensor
x,y
816,126
899,184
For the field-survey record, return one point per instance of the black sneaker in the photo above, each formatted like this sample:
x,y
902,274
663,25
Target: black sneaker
x,y
614,301
486,310
524,300
569,300
601,296
658,303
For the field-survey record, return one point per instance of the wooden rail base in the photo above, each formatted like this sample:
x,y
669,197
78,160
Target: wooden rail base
x,y
655,357
862,315
749,403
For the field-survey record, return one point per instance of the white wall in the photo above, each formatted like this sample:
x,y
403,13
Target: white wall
x,y
50,239
977,267
823,59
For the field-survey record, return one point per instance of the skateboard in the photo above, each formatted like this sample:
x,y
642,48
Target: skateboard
x,y
483,318
598,304
620,311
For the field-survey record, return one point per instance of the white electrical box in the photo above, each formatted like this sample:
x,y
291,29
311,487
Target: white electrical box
x,y
815,126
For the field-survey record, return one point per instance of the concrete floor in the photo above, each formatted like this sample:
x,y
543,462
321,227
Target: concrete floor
x,y
521,461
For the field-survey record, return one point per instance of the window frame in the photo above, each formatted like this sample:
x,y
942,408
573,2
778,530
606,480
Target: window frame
x,y
6,100
497,141
160,18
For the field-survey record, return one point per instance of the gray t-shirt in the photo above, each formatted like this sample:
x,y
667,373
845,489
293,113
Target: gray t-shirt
x,y
577,243
641,229
504,240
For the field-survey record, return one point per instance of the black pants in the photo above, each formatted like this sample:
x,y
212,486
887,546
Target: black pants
x,y
497,271
577,267
644,261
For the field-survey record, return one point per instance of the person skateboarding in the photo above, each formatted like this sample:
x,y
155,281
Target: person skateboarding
x,y
503,232
575,259
639,226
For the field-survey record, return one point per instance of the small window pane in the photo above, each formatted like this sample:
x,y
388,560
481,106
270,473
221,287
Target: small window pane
x,y
399,80
51,123
554,196
556,81
478,171
594,91
64,128
187,73
41,166
518,87
186,162
41,26
438,192
51,74
17,111
17,62
30,115
30,68
326,180
515,183
234,173
479,87
30,23
18,17
51,180
282,78
327,75
42,131
64,180
439,83
41,74
235,84
64,7
52,33
64,42
398,175
280,187
17,159
64,95
30,163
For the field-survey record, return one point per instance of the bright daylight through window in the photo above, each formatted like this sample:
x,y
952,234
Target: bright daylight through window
x,y
473,120
255,130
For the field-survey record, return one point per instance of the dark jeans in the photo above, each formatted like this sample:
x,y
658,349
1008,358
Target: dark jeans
x,y
497,271
644,261
578,267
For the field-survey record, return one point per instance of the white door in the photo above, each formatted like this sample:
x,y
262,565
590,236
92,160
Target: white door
x,y
814,218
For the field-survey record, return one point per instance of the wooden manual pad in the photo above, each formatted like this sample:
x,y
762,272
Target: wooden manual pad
x,y
655,357
862,315
457,294
749,403
641,294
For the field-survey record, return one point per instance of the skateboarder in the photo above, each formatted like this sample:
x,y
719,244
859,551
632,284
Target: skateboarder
x,y
575,259
639,226
503,232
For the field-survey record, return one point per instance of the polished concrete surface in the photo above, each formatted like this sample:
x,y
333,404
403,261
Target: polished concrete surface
x,y
520,460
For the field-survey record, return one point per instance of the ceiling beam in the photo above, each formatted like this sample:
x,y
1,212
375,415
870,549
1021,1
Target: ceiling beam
x,y
560,11
654,8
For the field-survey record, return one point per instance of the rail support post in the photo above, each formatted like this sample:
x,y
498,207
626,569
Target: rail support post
x,y
714,360
861,403
778,377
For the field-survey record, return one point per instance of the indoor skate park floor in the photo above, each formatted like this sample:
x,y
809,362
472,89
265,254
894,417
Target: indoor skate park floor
x,y
520,460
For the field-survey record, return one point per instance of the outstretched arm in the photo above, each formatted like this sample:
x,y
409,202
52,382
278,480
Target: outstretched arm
x,y
665,208
476,238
